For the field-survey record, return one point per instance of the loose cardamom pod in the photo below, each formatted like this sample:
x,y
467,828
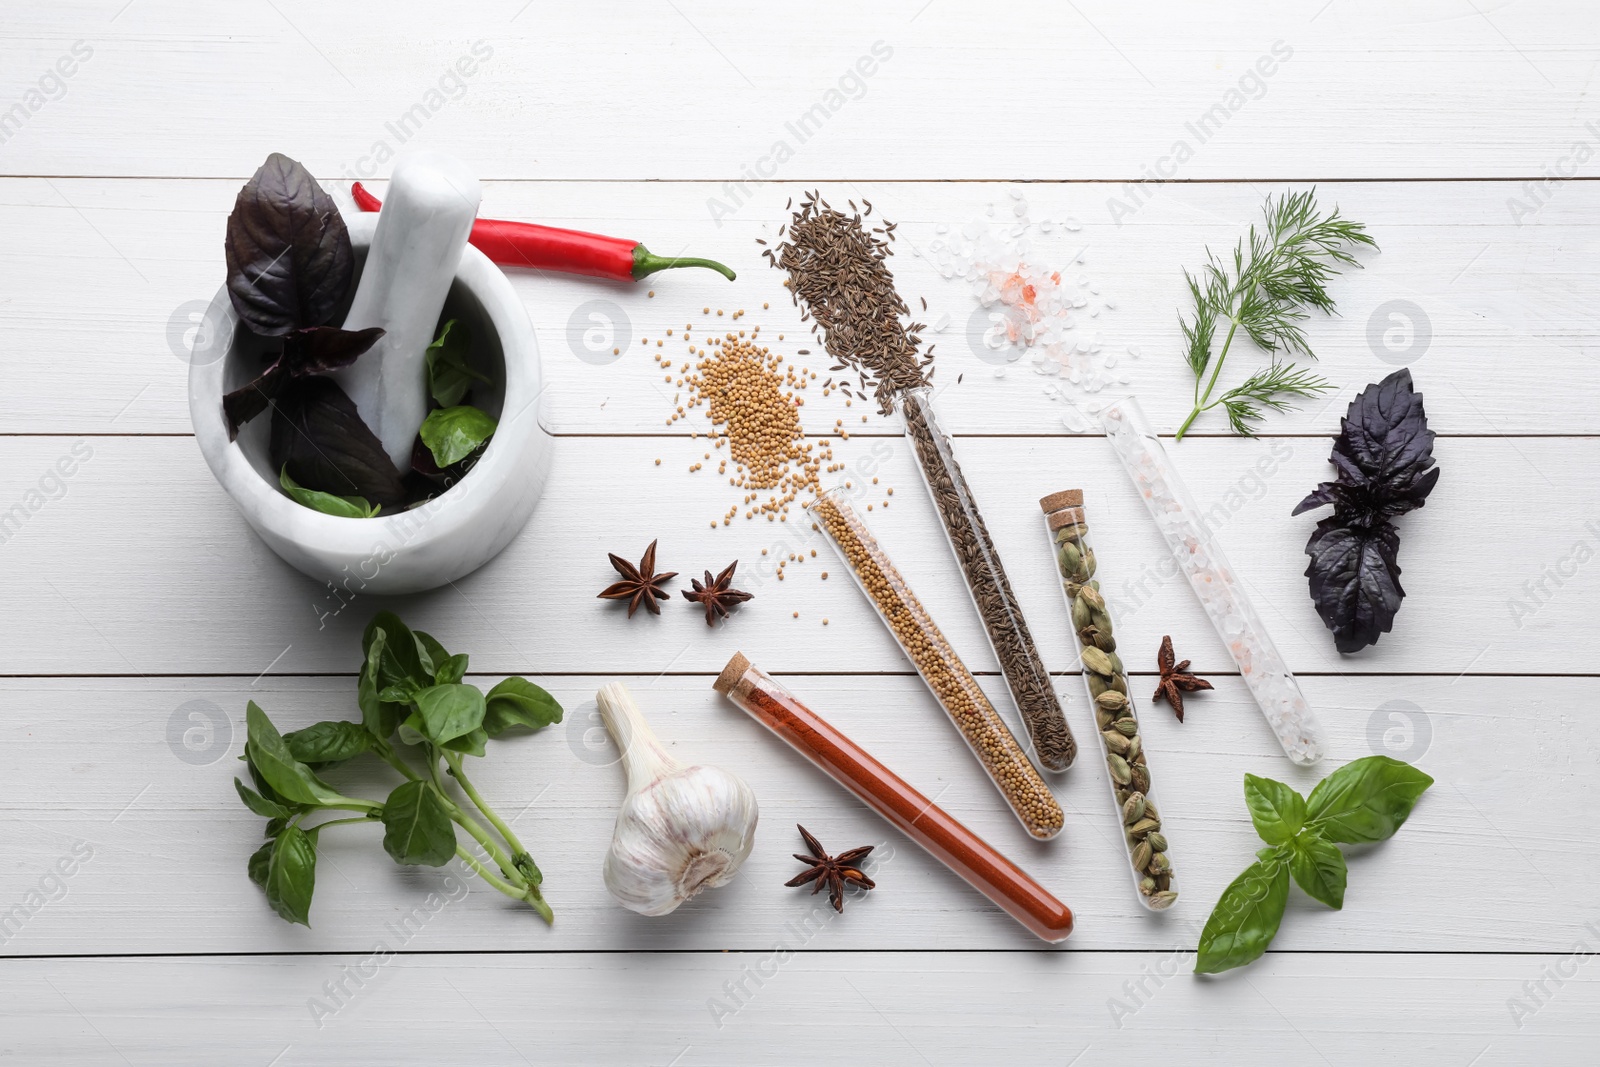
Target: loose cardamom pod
x,y
1157,841
1145,825
1068,558
1160,864
1141,856
1104,641
1081,614
1150,811
1147,886
1111,701
1127,728
1115,742
1092,596
1135,748
1133,809
1141,776
1163,900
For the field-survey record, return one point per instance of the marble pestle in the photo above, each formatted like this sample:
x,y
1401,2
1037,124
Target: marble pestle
x,y
423,228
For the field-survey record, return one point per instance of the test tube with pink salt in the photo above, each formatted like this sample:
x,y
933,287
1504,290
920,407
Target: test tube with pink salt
x,y
1214,581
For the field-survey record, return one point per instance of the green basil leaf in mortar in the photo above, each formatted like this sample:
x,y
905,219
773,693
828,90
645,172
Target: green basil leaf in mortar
x,y
318,434
267,809
317,350
449,374
292,875
1318,868
345,507
518,702
333,741
416,828
453,434
260,861
1367,800
448,711
1277,810
1247,916
290,262
268,753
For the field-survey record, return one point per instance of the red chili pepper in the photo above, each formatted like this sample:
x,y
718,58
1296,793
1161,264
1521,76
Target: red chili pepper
x,y
527,244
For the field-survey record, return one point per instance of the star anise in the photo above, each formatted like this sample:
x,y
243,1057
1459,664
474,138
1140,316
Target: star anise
x,y
717,594
1175,678
831,871
639,585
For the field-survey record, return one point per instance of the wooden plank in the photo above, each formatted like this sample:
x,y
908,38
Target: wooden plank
x,y
933,1008
137,772
1462,292
1092,90
142,566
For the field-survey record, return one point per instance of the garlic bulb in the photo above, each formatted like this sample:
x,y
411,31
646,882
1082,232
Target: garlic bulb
x,y
681,829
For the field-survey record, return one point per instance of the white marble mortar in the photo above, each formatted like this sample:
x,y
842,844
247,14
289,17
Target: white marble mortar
x,y
409,551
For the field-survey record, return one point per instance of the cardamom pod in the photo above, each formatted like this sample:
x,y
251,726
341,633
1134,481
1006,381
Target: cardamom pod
x,y
1163,900
1120,684
1104,641
1100,621
1164,881
1072,588
1068,558
1115,742
1106,719
1088,561
1160,864
1098,685
1111,701
1081,614
1145,825
1157,841
1133,809
1141,856
1116,664
1127,727
1147,886
1072,531
1121,773
1141,776
1098,661
1092,595
1150,811
1135,748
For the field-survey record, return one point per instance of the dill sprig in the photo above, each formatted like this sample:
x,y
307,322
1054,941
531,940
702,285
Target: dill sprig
x,y
1275,276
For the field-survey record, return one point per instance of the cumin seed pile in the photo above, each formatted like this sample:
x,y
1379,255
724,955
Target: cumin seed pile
x,y
839,278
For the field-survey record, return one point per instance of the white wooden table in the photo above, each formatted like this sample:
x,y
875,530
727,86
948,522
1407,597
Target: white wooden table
x,y
135,603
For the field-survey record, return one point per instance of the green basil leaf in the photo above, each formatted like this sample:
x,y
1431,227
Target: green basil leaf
x,y
448,711
411,730
345,507
1276,809
416,827
260,859
471,743
267,809
1367,800
1318,868
431,654
379,716
401,659
518,702
332,741
451,670
268,753
1245,919
292,875
453,434
449,374
275,827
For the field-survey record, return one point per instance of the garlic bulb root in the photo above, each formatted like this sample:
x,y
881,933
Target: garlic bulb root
x,y
681,829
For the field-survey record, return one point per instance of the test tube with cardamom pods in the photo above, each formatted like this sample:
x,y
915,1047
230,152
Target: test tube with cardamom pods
x,y
1121,742
997,606
947,678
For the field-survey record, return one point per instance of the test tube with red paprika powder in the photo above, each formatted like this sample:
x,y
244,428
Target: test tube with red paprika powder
x,y
885,792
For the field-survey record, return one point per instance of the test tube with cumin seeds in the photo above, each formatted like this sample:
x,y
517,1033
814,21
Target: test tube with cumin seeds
x,y
952,685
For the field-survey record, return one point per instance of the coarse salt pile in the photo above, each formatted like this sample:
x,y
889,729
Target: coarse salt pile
x,y
1044,313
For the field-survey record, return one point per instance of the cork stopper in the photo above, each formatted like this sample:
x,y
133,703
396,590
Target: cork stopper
x,y
1064,517
1067,498
731,674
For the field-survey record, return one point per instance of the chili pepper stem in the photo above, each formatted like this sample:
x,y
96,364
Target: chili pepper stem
x,y
646,262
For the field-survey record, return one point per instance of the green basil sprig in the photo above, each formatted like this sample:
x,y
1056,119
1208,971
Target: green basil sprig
x,y
410,693
1367,800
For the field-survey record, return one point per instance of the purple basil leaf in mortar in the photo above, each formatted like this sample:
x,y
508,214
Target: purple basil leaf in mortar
x,y
317,350
1383,455
318,434
1355,581
290,263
